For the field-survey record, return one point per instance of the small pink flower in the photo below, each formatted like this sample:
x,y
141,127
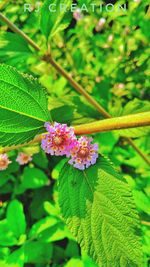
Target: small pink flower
x,y
77,14
23,158
84,153
100,24
60,140
4,162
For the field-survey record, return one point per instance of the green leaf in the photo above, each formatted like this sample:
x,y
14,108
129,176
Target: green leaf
x,y
41,226
74,262
142,201
55,233
4,252
49,229
33,178
7,237
23,107
56,21
98,208
37,252
13,49
40,160
16,258
16,218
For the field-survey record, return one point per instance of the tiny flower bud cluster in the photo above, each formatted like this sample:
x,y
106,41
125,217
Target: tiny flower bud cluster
x,y
61,140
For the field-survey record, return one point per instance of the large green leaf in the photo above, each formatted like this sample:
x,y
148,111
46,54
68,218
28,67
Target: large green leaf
x,y
98,207
56,19
23,107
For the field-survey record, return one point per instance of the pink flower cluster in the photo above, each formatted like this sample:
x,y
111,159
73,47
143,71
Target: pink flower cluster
x,y
22,159
61,140
84,154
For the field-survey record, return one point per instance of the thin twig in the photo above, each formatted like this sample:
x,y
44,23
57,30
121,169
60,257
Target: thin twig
x,y
130,141
76,86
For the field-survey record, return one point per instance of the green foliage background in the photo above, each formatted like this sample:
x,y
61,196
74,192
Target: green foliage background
x,y
32,232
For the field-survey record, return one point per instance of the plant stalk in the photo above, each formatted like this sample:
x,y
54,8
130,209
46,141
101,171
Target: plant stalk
x,y
124,122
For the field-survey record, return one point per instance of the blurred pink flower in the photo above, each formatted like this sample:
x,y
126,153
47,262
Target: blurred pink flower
x,y
23,158
100,24
60,140
77,14
110,38
121,85
84,153
4,162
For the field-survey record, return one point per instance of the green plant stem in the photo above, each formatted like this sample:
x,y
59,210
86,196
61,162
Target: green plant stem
x,y
76,86
124,122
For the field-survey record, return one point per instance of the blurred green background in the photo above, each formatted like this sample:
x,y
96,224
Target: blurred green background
x,y
111,61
